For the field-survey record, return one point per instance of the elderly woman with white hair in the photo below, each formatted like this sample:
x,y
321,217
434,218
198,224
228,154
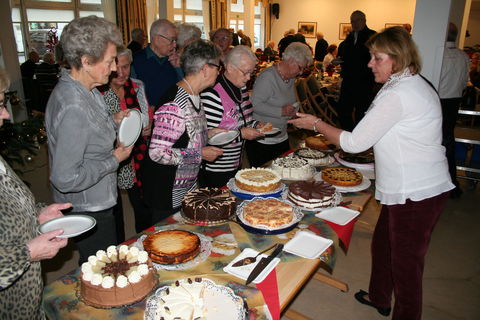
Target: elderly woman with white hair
x,y
273,101
81,133
126,93
187,33
227,105
179,138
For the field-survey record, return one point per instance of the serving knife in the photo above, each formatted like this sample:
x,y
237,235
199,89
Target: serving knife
x,y
263,263
249,260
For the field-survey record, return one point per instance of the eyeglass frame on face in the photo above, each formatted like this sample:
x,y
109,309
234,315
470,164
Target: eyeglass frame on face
x,y
222,38
211,64
166,38
245,74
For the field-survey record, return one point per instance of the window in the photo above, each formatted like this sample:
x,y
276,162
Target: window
x,y
190,11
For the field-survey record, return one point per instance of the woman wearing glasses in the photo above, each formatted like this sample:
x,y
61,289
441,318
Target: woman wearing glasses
x,y
273,98
227,105
179,137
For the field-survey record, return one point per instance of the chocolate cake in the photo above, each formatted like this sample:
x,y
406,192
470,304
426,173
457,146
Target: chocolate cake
x,y
208,205
311,194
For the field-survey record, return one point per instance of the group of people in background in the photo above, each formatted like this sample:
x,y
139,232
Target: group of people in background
x,y
188,90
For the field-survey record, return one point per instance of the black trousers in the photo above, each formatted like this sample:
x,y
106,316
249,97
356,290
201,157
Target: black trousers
x,y
259,153
355,98
98,238
211,179
449,119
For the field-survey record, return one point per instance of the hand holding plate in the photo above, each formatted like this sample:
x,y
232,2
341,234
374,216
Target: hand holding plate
x,y
122,152
52,211
46,246
251,133
118,117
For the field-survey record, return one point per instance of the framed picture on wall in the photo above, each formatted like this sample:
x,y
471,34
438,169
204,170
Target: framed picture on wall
x,y
308,29
344,30
389,25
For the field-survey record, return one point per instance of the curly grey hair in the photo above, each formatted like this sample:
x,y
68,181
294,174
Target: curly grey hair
x,y
88,36
187,33
4,80
238,53
197,54
299,52
122,51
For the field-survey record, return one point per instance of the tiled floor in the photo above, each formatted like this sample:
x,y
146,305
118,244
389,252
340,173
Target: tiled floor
x,y
452,272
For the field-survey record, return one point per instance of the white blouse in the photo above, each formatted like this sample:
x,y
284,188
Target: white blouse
x,y
404,126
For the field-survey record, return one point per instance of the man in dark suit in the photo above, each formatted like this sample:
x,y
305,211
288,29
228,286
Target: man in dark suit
x,y
28,67
356,92
138,40
320,47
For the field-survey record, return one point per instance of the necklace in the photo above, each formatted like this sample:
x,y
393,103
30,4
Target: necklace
x,y
190,87
281,75
232,91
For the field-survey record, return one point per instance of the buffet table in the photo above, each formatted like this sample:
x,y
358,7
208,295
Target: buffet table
x,y
61,298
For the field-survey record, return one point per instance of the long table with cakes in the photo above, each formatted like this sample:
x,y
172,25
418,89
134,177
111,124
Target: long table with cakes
x,y
146,279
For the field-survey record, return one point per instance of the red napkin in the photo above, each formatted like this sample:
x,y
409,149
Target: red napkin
x,y
269,289
344,233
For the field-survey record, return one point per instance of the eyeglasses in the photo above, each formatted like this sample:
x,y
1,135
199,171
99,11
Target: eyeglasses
x,y
213,65
222,38
168,39
245,73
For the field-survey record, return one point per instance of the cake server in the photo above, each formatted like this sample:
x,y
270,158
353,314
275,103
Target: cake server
x,y
249,260
263,263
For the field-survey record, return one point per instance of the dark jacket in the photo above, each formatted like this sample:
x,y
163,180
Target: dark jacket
x,y
356,56
321,49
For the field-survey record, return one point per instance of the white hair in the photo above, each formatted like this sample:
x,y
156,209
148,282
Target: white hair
x,y
299,52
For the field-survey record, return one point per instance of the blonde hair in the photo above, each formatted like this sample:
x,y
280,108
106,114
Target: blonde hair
x,y
398,44
4,80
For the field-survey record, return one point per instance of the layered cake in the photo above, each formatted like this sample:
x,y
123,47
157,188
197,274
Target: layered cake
x,y
182,300
293,168
116,277
208,205
361,158
319,142
311,194
313,157
268,212
257,180
345,177
172,246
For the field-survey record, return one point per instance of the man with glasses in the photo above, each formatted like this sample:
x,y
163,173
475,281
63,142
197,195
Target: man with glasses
x,y
157,64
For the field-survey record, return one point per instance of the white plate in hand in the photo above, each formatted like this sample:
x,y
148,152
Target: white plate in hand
x,y
243,272
307,245
223,138
72,225
338,215
130,128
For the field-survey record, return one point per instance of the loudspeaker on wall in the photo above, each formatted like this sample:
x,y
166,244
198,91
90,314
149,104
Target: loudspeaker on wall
x,y
276,10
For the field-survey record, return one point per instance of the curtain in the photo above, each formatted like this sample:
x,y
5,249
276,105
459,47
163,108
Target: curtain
x,y
131,14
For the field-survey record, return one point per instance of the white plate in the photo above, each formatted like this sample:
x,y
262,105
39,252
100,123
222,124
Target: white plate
x,y
338,215
130,128
220,301
362,186
307,245
223,138
354,165
272,132
243,271
72,225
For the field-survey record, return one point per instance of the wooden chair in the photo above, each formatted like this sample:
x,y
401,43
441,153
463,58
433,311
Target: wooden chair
x,y
319,102
302,97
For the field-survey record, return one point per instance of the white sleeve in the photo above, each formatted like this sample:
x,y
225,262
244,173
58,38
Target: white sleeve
x,y
384,114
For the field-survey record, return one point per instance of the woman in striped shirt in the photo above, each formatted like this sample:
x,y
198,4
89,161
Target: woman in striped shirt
x,y
227,105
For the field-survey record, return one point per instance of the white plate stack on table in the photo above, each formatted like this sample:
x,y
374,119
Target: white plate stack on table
x,y
130,128
307,245
338,215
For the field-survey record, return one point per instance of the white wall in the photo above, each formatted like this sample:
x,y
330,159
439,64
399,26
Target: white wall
x,y
329,14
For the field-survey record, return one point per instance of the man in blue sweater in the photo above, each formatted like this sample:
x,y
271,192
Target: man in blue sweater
x,y
158,64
